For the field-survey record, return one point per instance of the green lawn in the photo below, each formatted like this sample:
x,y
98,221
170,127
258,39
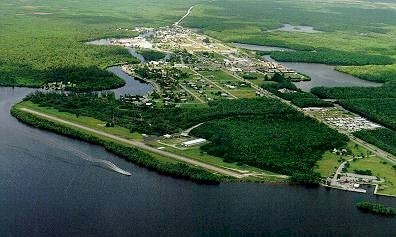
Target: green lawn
x,y
244,93
328,164
218,76
330,161
380,168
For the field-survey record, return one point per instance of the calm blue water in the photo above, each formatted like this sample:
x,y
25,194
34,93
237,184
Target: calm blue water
x,y
132,86
324,75
46,189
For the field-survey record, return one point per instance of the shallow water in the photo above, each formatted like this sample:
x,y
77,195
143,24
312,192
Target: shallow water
x,y
292,28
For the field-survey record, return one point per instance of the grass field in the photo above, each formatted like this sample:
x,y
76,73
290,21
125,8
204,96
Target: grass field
x,y
380,168
328,164
382,73
92,123
330,161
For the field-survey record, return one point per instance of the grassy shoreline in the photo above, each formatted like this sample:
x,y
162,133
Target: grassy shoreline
x,y
140,158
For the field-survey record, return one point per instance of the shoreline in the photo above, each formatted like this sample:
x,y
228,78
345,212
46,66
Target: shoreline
x,y
136,156
54,123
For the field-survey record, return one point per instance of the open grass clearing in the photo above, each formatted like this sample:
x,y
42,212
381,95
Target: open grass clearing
x,y
379,168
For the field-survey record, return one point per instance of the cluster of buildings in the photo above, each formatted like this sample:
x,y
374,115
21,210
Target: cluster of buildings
x,y
137,100
351,124
353,182
339,119
274,67
137,42
171,37
59,85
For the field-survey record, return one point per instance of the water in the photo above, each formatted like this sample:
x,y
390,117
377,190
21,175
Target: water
x,y
292,28
132,86
260,47
48,190
324,75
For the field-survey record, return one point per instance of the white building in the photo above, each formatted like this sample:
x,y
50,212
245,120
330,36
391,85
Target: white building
x,y
194,142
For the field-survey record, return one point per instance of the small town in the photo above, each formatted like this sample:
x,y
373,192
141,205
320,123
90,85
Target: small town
x,y
197,69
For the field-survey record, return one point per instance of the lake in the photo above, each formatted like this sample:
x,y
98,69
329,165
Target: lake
x,y
46,189
324,75
321,74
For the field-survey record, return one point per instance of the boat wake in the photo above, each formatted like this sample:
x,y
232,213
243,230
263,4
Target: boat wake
x,y
99,162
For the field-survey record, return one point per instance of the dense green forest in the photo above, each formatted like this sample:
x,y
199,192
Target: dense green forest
x,y
349,33
86,79
134,155
376,208
151,55
333,57
383,138
380,110
377,104
371,72
40,38
257,131
289,143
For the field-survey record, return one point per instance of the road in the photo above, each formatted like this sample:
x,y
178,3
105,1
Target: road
x,y
381,153
375,150
181,19
187,131
140,145
191,93
213,83
338,172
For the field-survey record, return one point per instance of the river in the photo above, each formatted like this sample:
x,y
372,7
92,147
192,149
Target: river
x,y
48,190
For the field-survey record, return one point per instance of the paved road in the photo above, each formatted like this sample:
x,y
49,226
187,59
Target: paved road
x,y
141,145
386,155
187,131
